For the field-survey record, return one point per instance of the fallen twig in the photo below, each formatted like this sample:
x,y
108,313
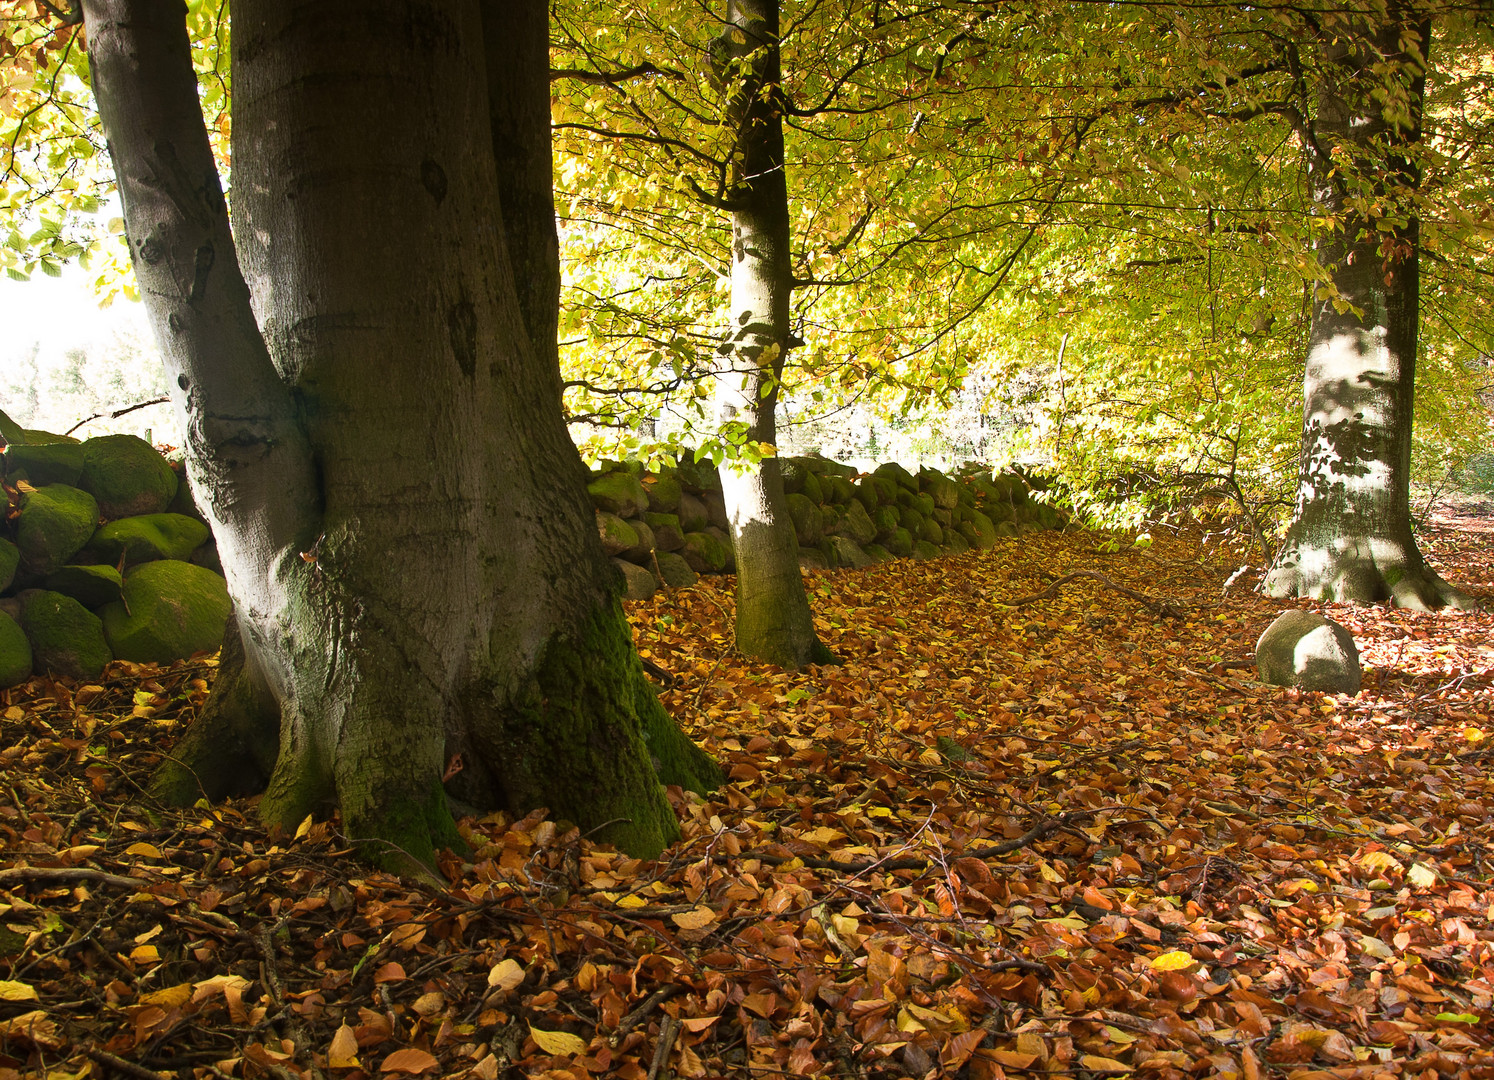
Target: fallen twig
x,y
61,874
1166,608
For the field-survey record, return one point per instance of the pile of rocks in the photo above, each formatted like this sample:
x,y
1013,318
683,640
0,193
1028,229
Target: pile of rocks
x,y
667,527
102,556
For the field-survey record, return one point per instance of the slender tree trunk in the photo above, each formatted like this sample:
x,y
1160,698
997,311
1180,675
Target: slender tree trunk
x,y
1351,538
773,620
437,604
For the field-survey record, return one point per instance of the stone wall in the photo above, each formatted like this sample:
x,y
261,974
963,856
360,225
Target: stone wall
x,y
667,527
102,557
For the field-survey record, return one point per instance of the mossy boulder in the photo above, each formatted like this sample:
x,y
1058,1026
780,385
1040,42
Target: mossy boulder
x,y
619,493
865,492
715,504
793,470
877,553
704,553
900,543
897,474
812,559
923,550
643,548
170,610
693,513
91,586
54,523
15,653
668,536
638,583
944,491
10,558
809,521
127,475
617,535
674,571
931,531
886,520
857,525
148,537
11,431
66,638
830,467
839,490
955,542
664,493
45,463
849,553
698,476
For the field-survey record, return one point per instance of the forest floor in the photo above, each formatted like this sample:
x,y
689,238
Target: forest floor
x,y
1066,838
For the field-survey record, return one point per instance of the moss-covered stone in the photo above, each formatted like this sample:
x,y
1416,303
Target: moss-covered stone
x,y
674,571
955,542
664,492
839,490
127,475
617,535
66,638
812,489
944,491
897,474
900,543
698,476
877,553
91,586
693,514
793,471
54,524
170,610
809,522
148,537
668,536
643,548
724,538
857,524
638,582
45,463
704,553
618,493
865,492
849,553
827,467
886,520
984,529
931,531
1005,529
944,517
185,503
923,550
15,653
10,558
715,504
11,431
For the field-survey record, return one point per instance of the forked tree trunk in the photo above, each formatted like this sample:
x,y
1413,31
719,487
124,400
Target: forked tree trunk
x,y
773,620
415,567
1350,537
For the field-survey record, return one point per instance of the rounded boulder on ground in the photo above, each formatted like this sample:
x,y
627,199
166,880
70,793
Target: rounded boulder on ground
x,y
1305,650
127,475
147,537
617,535
52,524
619,493
45,463
704,553
91,586
66,638
170,610
10,558
15,653
638,583
668,536
675,571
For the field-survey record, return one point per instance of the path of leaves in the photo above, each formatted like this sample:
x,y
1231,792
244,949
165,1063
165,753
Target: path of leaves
x,y
1066,839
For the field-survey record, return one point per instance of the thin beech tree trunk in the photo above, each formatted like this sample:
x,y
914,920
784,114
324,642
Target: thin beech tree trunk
x,y
418,580
773,619
1351,538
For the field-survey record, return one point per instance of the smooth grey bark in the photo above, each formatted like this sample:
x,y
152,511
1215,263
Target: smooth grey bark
x,y
438,606
773,618
1350,538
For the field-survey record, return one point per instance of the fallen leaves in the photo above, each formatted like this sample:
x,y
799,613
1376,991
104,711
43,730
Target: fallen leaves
x,y
1069,839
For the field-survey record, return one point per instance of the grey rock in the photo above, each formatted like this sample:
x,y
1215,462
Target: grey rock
x,y
127,475
638,583
1305,650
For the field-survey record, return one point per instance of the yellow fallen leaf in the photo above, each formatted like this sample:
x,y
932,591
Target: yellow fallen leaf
x,y
169,997
145,954
143,850
1422,876
305,826
1103,1064
343,1053
558,1042
632,900
16,991
506,974
698,919
1378,860
1173,961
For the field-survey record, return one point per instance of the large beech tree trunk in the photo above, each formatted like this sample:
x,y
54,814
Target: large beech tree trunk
x,y
416,571
773,620
1350,538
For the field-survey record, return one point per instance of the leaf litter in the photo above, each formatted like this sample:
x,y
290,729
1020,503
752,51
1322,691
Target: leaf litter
x,y
1067,838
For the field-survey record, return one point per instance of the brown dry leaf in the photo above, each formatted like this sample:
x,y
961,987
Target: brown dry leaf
x,y
409,1060
16,991
343,1052
32,1029
698,919
506,974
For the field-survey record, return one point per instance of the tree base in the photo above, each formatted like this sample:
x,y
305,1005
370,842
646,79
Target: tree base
x,y
1355,578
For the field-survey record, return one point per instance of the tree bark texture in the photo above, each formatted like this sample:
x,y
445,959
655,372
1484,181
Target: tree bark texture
x,y
438,605
1351,537
773,619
